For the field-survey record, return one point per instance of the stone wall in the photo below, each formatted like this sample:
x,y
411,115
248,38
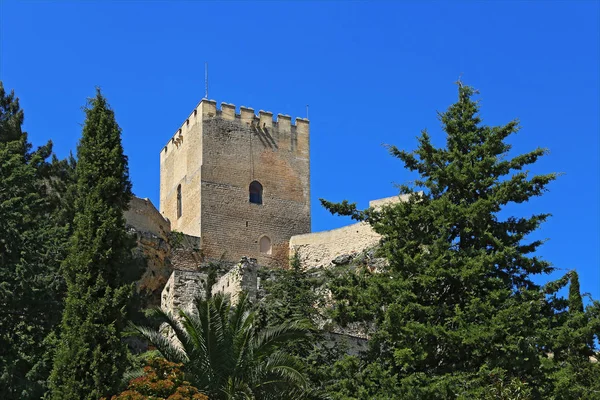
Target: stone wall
x,y
182,288
353,345
144,217
242,277
320,249
186,252
386,201
158,249
240,149
180,161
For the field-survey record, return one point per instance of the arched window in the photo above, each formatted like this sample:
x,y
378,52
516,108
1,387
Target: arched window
x,y
256,191
265,245
179,201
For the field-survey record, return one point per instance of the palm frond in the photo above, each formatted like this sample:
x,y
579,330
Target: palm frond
x,y
173,352
271,338
164,317
237,389
226,356
287,367
131,374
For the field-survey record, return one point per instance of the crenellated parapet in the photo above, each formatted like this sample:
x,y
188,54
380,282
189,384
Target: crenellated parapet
x,y
264,120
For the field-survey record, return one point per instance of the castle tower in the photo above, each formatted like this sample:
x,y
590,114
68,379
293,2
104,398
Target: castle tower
x,y
240,182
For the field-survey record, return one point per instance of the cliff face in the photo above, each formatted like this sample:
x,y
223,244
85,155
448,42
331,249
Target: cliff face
x,y
155,254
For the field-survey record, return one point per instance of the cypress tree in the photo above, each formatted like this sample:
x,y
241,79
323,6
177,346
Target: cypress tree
x,y
575,301
575,370
90,358
577,333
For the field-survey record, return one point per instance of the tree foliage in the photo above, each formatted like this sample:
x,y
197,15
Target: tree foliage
x,y
32,243
90,358
458,301
291,294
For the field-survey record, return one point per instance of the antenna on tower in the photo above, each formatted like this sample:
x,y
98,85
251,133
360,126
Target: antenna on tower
x,y
307,111
206,80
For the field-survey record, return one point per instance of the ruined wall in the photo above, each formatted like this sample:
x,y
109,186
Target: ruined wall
x,y
386,201
242,277
158,250
319,249
186,253
152,251
352,345
181,289
144,217
239,149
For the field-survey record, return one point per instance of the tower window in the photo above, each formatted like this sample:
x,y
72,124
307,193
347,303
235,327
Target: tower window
x,y
265,245
179,201
256,192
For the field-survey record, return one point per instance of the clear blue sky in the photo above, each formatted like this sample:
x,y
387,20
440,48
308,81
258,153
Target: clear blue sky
x,y
372,73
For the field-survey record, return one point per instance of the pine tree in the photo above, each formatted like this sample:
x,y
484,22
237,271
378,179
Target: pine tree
x,y
31,248
91,356
457,309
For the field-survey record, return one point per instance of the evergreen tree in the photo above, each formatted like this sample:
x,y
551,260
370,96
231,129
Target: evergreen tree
x,y
32,245
457,308
575,300
575,371
90,358
291,294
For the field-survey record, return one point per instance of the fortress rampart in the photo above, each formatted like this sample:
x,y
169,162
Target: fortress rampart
x,y
144,217
182,288
319,249
208,109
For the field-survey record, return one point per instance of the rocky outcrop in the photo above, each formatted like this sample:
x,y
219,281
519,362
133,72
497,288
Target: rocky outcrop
x,y
159,249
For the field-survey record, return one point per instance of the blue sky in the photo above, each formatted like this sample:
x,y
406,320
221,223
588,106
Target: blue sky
x,y
372,73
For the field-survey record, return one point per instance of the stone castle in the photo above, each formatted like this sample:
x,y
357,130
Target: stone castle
x,y
239,182
234,186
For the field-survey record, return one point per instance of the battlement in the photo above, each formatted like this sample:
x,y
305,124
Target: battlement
x,y
208,109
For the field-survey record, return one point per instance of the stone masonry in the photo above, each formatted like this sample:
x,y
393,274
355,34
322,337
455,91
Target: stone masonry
x,y
320,249
206,170
242,277
181,290
185,286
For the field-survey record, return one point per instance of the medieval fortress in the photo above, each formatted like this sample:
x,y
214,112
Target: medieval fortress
x,y
235,186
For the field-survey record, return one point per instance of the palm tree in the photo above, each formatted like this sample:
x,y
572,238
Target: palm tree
x,y
224,354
